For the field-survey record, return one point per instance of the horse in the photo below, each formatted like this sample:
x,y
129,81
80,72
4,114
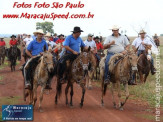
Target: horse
x,y
12,55
40,76
144,64
120,74
2,54
77,72
157,42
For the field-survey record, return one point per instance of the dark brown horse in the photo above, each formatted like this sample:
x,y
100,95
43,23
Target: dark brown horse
x,y
144,64
13,54
77,72
2,54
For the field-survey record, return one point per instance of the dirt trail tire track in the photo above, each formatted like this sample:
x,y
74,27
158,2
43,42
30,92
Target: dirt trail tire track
x,y
92,110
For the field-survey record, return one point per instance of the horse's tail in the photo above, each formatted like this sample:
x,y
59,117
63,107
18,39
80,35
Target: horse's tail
x,y
59,88
105,88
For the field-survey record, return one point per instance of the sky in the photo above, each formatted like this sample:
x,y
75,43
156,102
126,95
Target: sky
x,y
130,15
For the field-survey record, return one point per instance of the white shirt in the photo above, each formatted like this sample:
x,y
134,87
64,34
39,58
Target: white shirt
x,y
28,40
51,43
137,43
92,44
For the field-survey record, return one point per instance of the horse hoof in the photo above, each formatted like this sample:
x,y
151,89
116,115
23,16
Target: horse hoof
x,y
102,104
56,102
41,110
81,105
121,109
90,88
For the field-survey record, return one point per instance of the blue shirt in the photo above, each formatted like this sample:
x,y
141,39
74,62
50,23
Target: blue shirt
x,y
37,47
55,39
73,43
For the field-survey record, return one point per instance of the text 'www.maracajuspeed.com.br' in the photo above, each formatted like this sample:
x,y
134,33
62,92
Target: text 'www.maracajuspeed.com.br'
x,y
45,16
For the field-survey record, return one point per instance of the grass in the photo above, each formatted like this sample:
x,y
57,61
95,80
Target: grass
x,y
147,116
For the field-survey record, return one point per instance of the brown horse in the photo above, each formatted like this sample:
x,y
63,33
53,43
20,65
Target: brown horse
x,y
78,71
157,41
120,74
144,64
40,77
2,54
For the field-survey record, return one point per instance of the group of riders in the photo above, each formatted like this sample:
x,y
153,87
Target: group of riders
x,y
115,43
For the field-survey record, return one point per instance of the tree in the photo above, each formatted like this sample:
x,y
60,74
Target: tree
x,y
45,26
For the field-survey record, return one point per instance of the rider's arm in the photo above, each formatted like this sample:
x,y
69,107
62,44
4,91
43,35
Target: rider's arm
x,y
29,53
69,49
106,46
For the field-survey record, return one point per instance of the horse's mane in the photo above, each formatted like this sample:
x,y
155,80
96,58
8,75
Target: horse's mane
x,y
112,61
32,64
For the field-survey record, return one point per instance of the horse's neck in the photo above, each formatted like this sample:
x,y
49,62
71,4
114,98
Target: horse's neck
x,y
42,65
126,63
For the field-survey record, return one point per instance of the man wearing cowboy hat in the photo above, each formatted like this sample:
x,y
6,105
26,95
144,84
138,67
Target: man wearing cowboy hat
x,y
91,43
47,38
2,42
34,49
26,42
72,45
13,42
140,43
116,43
98,43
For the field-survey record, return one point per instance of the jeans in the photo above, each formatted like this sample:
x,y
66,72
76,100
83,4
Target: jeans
x,y
98,57
107,74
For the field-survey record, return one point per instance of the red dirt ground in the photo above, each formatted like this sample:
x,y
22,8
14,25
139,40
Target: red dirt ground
x,y
92,110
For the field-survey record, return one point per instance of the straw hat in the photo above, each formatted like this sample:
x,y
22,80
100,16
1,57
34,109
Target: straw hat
x,y
142,32
48,34
39,31
115,27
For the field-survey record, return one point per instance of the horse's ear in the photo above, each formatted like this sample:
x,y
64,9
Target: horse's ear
x,y
89,48
44,48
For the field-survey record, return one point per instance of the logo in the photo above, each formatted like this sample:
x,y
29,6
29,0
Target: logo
x,y
17,112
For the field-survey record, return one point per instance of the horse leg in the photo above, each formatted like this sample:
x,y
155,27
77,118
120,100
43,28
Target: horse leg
x,y
31,96
41,98
34,94
119,95
71,94
102,91
66,92
113,97
83,93
141,76
145,77
127,95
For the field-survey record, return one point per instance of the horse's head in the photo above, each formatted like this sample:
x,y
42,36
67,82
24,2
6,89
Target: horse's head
x,y
48,60
148,51
133,59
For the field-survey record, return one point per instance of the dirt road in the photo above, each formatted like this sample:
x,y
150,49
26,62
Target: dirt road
x,y
92,111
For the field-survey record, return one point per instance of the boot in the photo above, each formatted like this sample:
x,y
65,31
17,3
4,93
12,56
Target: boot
x,y
153,70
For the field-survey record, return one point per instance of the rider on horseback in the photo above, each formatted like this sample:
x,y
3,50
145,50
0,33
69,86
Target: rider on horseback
x,y
2,42
72,45
13,42
33,50
140,43
92,44
116,43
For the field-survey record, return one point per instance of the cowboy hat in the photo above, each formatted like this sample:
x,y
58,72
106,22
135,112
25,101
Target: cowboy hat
x,y
77,29
13,36
48,34
60,35
1,37
39,31
115,27
142,31
96,37
90,35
